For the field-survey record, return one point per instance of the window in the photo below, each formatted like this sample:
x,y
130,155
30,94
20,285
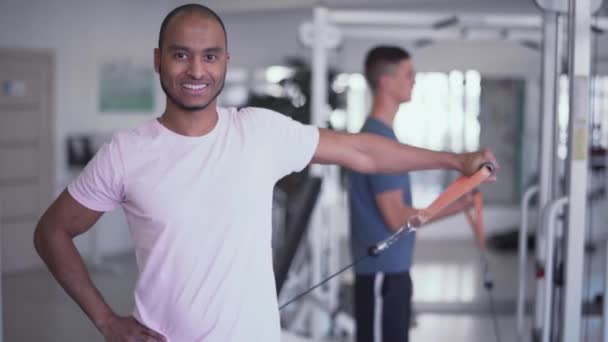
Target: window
x,y
442,115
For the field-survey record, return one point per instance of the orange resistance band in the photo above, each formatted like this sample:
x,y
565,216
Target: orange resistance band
x,y
456,190
476,221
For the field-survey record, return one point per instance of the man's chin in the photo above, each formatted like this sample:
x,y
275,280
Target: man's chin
x,y
194,108
191,107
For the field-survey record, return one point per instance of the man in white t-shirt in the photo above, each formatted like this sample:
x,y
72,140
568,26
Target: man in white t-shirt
x,y
196,186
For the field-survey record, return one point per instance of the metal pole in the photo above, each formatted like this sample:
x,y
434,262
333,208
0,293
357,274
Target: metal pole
x,y
550,62
576,167
523,255
1,303
319,69
319,322
605,302
557,163
549,223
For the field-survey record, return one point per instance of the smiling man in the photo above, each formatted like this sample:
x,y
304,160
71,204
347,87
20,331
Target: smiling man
x,y
201,36
201,224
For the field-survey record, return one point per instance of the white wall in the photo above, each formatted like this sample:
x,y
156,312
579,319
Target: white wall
x,y
81,34
84,33
490,58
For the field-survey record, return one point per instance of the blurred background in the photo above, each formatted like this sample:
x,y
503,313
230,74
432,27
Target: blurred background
x,y
73,72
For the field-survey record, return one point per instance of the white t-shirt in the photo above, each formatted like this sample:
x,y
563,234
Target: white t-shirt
x,y
199,211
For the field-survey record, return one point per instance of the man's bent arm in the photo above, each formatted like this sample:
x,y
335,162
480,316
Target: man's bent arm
x,y
53,239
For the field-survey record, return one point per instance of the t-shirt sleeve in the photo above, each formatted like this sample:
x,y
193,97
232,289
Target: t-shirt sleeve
x,y
291,143
386,182
100,185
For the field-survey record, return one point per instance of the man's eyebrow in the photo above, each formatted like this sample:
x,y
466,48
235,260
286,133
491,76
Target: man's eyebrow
x,y
215,49
178,47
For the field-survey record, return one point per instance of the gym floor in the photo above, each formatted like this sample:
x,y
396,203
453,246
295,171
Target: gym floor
x,y
450,301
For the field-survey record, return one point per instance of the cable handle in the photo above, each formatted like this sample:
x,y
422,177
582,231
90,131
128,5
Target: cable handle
x,y
375,249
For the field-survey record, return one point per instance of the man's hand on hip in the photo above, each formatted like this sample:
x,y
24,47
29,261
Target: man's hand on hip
x,y
128,329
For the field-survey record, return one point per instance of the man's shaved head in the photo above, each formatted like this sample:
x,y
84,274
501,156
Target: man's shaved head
x,y
201,10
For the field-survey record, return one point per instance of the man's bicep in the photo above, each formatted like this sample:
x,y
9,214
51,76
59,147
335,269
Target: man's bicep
x,y
68,215
339,148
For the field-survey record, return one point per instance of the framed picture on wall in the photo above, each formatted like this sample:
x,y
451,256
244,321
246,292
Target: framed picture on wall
x,y
125,86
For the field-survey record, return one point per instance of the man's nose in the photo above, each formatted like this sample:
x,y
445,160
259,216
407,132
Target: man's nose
x,y
196,69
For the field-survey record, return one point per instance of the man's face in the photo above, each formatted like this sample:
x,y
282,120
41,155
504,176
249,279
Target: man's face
x,y
192,61
402,80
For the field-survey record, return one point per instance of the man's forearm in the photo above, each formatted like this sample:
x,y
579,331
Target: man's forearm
x,y
62,258
387,156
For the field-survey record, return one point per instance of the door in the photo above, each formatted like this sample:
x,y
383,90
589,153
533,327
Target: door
x,y
26,152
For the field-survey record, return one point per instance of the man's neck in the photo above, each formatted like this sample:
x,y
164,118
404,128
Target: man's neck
x,y
190,123
384,110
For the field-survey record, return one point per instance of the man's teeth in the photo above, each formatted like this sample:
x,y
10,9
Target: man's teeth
x,y
195,86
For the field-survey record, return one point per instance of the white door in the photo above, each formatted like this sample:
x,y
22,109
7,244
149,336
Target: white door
x,y
26,152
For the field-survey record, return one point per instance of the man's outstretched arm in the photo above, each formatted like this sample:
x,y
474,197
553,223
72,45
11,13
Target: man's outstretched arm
x,y
370,153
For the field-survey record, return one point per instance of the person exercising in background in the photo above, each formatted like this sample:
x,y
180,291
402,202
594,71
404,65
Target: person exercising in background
x,y
201,225
380,204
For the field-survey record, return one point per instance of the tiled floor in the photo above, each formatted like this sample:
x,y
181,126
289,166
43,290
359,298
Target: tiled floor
x,y
450,301
37,309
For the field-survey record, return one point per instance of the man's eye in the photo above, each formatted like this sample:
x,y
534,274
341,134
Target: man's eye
x,y
210,58
180,55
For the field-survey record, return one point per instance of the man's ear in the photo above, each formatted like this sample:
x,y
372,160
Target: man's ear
x,y
156,59
382,81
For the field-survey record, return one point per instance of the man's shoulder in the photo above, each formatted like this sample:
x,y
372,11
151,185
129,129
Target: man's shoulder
x,y
253,112
377,127
257,118
144,130
130,139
